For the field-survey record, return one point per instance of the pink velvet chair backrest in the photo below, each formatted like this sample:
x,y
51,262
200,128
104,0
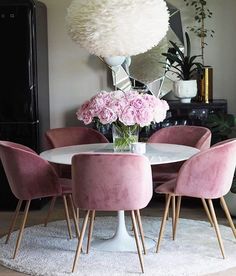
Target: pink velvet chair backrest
x,y
111,181
208,174
68,136
29,175
194,136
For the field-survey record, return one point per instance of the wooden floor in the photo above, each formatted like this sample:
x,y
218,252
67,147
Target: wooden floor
x,y
190,209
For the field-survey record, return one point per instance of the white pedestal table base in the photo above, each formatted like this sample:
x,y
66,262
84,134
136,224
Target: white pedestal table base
x,y
122,240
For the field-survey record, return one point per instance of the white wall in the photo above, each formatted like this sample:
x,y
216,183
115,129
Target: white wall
x,y
220,51
75,76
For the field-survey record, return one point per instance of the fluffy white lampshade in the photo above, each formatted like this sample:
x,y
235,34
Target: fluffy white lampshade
x,y
117,27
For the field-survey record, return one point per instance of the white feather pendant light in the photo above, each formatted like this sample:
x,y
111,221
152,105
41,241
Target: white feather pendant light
x,y
117,27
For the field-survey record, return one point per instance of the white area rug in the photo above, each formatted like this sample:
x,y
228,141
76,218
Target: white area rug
x,y
47,251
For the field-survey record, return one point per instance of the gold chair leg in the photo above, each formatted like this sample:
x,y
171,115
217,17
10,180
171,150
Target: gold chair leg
x,y
227,213
177,215
14,220
207,211
67,216
80,241
163,223
137,240
74,216
173,214
21,228
166,197
90,230
77,214
53,200
216,226
140,226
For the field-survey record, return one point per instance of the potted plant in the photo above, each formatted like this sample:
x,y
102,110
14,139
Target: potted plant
x,y
185,67
202,13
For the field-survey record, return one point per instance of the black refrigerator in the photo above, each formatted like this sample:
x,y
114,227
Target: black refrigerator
x,y
24,93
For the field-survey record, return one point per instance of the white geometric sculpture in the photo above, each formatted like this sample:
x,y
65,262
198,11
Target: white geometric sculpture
x,y
117,27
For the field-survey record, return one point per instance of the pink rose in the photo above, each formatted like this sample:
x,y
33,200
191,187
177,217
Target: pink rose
x,y
144,117
128,116
138,102
87,117
84,107
107,116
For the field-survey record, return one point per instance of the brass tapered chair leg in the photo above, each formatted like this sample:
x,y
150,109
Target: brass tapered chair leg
x,y
90,233
13,223
140,226
177,215
137,240
22,228
207,211
53,200
76,222
216,226
163,223
80,241
227,213
67,216
173,214
166,197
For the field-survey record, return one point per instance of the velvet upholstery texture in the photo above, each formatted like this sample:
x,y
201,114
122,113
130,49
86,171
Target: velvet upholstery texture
x,y
208,174
69,136
111,181
194,136
29,175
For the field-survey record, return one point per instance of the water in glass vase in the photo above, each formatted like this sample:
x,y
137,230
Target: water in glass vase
x,y
123,136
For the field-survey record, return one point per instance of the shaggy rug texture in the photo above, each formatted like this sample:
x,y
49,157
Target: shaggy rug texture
x,y
47,251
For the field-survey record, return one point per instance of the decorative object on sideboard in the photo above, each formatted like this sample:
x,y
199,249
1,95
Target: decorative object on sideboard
x,y
126,111
184,66
206,85
201,14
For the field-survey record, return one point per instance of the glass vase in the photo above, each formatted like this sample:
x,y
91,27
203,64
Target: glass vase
x,y
123,136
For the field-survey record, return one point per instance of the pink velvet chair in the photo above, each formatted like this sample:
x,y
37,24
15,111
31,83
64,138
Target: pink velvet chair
x,y
69,136
206,175
110,182
193,136
31,177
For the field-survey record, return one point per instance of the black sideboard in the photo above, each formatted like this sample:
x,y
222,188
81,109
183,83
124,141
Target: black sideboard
x,y
194,113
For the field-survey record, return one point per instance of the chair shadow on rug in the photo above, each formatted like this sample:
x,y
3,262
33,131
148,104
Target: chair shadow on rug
x,y
206,175
131,189
31,177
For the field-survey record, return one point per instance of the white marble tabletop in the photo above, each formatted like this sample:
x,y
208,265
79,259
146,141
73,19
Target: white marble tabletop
x,y
157,153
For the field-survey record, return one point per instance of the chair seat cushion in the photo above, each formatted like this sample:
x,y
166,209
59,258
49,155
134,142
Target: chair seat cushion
x,y
66,185
167,187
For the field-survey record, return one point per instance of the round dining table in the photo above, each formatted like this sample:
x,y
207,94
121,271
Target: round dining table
x,y
157,153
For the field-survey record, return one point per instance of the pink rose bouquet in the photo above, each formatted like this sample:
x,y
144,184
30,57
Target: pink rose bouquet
x,y
126,111
129,108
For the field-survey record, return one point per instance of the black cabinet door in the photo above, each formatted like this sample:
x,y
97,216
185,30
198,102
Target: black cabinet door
x,y
17,85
